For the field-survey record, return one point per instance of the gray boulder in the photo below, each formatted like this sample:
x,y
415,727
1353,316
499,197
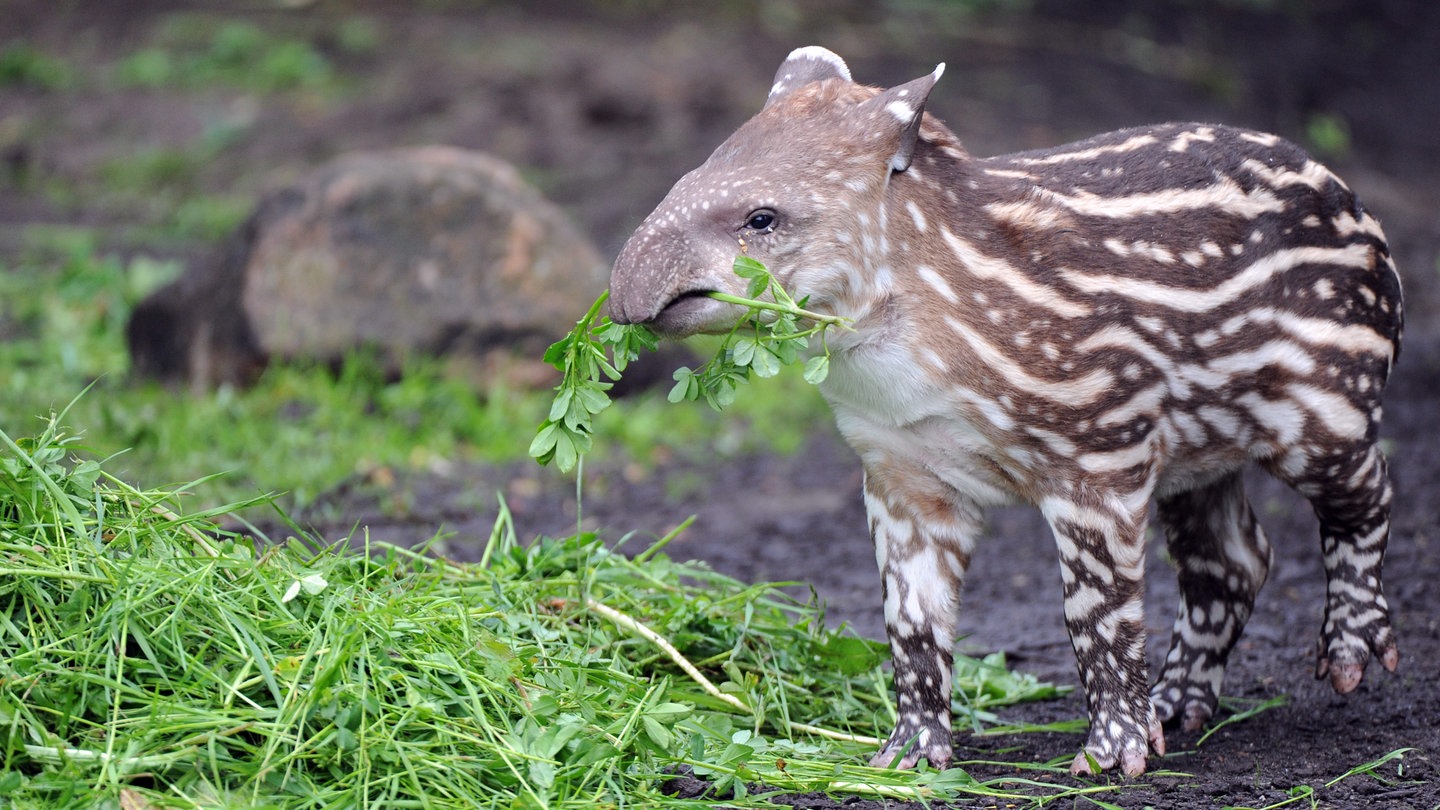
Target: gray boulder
x,y
429,250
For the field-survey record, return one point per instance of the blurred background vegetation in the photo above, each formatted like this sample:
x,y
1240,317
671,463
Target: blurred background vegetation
x,y
135,137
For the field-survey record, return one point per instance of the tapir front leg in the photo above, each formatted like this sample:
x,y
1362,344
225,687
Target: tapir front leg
x,y
1102,559
923,534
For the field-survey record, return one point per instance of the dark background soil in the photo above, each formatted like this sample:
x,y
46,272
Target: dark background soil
x,y
605,105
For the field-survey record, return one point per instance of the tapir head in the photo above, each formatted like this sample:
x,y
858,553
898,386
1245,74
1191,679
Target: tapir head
x,y
798,187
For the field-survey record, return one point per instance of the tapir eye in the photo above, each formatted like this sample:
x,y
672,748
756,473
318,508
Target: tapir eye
x,y
762,220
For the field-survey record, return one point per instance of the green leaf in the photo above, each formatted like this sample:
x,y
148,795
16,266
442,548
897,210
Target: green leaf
x,y
598,346
82,478
784,325
669,712
736,753
686,386
544,442
555,738
610,370
722,395
849,654
746,267
593,398
757,287
657,732
10,781
555,355
817,369
561,405
613,333
788,350
765,363
743,352
581,440
542,773
565,452
577,418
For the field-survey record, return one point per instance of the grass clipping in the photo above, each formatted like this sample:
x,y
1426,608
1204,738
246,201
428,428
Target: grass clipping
x,y
153,660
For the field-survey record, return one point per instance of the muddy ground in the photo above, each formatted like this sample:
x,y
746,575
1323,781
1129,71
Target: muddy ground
x,y
606,105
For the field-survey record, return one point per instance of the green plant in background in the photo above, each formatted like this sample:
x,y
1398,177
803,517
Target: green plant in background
x,y
1328,134
199,51
302,429
767,338
24,65
65,320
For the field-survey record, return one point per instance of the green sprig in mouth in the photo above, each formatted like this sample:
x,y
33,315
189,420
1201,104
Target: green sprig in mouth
x,y
775,332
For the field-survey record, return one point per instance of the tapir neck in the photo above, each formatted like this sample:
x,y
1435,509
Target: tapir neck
x,y
905,256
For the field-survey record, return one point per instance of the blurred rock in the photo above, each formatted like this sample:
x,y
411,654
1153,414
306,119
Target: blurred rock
x,y
430,250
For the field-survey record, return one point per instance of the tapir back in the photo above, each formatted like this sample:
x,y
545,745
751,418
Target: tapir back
x,y
1208,293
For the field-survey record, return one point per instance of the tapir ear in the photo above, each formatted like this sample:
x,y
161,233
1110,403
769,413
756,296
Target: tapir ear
x,y
803,66
905,106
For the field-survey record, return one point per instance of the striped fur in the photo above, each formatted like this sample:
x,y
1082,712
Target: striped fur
x,y
1088,328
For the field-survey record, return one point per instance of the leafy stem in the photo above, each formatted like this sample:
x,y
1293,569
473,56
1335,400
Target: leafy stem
x,y
827,320
593,355
590,350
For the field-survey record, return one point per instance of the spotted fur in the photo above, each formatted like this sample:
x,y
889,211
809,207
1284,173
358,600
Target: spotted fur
x,y
1087,328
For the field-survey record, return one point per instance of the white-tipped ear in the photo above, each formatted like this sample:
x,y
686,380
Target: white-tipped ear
x,y
803,66
904,107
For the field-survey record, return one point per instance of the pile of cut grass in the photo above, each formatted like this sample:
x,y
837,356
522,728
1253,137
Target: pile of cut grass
x,y
149,659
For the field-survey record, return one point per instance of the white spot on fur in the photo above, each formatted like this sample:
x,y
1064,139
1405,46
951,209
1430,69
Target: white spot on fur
x,y
1262,138
938,282
1027,214
1140,248
903,112
1224,420
917,216
1182,141
1279,416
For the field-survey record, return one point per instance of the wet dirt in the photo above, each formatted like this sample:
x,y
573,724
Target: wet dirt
x,y
606,105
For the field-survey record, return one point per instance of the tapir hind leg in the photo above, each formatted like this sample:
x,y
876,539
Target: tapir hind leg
x,y
1351,494
1222,558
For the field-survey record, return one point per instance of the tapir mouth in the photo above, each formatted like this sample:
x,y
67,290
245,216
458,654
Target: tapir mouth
x,y
685,314
695,312
685,302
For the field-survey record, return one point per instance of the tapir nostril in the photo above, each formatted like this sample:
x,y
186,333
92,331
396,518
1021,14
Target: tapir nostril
x,y
615,308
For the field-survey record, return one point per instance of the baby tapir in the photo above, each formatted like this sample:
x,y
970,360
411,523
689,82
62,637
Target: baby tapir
x,y
1086,328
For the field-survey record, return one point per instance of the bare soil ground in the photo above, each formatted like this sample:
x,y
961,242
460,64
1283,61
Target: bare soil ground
x,y
606,106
